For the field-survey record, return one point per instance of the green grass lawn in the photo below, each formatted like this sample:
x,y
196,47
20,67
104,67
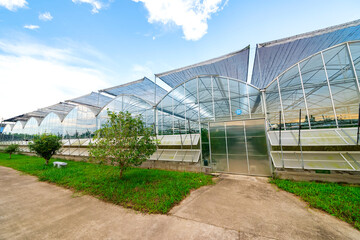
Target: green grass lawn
x,y
340,200
146,190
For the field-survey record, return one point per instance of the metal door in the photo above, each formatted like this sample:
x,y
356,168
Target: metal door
x,y
239,147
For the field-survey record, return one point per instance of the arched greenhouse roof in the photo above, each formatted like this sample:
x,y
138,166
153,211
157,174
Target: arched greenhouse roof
x,y
233,65
274,57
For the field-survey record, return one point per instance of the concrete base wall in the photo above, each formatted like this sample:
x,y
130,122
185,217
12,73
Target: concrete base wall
x,y
334,176
165,165
176,166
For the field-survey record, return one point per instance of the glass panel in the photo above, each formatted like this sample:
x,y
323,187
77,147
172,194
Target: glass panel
x,y
221,99
292,98
273,106
51,124
31,128
355,54
317,93
342,80
205,98
255,99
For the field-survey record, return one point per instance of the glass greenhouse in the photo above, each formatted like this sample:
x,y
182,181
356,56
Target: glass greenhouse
x,y
304,91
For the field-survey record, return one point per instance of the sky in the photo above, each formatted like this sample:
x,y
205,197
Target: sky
x,y
51,51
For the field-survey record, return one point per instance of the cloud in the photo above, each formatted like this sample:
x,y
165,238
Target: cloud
x,y
96,5
46,16
13,5
191,15
31,27
140,71
36,75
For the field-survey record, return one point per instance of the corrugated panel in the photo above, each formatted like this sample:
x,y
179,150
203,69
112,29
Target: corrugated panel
x,y
143,88
272,58
234,65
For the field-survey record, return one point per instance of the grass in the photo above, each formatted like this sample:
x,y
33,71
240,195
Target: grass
x,y
145,190
340,200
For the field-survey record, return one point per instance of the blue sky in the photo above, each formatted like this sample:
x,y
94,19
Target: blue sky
x,y
54,50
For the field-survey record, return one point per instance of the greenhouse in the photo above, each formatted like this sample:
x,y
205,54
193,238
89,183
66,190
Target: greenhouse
x,y
304,94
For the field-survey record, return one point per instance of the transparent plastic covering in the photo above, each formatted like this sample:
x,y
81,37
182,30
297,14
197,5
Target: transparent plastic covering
x,y
51,124
61,109
130,103
325,86
272,58
143,88
79,123
178,140
94,101
342,161
204,99
315,137
233,65
176,155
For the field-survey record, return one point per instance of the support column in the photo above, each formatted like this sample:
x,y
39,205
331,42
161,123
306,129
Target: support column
x,y
230,111
305,101
353,68
212,96
331,96
281,104
199,119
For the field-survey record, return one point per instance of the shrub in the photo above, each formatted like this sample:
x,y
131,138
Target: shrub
x,y
11,149
45,145
123,140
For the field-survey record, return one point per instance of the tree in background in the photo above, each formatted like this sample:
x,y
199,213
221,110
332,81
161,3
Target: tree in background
x,y
11,149
123,140
45,145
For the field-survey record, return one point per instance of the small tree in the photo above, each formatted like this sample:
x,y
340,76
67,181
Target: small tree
x,y
11,149
45,145
123,140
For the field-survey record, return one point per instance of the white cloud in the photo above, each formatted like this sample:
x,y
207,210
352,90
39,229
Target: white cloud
x,y
13,5
191,15
46,16
31,27
36,76
140,71
96,5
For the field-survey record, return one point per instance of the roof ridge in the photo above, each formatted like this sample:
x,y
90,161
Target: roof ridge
x,y
310,34
206,62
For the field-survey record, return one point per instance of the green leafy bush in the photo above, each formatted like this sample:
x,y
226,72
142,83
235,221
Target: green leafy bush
x,y
123,140
46,145
11,149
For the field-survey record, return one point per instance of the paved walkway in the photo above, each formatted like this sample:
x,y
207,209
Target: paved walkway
x,y
240,208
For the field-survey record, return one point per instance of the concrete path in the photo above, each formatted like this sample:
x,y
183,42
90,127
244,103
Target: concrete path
x,y
240,208
251,205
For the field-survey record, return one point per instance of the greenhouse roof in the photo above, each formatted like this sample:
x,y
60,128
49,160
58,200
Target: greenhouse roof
x,y
61,109
234,65
272,58
93,99
143,88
